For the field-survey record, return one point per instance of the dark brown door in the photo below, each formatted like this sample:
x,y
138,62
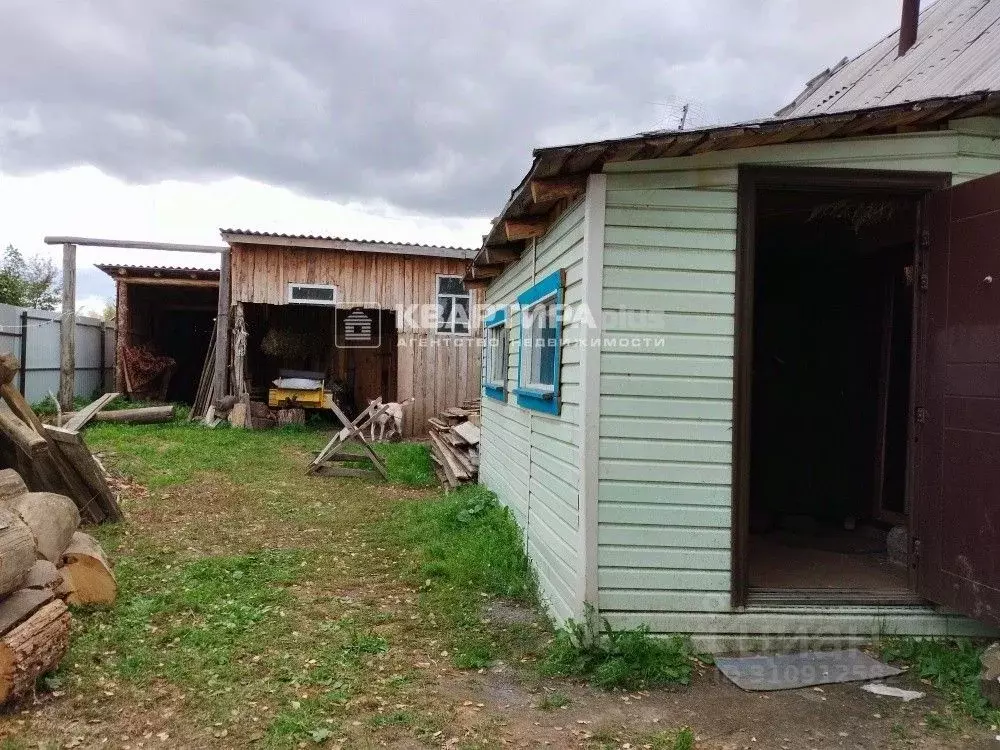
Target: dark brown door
x,y
957,430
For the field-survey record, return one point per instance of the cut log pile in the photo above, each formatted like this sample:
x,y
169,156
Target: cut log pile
x,y
45,564
454,437
52,459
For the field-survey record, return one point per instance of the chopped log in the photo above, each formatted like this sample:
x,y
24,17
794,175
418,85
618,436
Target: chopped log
x,y
43,576
33,648
80,419
291,416
11,484
239,415
144,415
21,605
17,551
86,572
52,518
26,439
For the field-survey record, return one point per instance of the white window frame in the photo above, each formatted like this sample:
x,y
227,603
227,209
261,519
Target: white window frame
x,y
498,356
530,349
437,306
322,303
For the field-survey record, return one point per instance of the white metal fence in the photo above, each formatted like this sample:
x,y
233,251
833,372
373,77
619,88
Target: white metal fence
x,y
33,337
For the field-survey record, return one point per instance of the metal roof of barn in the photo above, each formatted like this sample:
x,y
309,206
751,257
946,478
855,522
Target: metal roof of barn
x,y
125,270
957,52
248,237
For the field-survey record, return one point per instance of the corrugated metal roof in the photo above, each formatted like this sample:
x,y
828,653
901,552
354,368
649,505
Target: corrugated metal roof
x,y
957,52
117,269
246,236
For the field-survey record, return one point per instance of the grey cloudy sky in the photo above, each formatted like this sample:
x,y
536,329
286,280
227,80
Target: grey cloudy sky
x,y
431,107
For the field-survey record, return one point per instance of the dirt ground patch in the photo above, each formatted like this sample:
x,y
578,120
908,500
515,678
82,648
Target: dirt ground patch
x,y
258,609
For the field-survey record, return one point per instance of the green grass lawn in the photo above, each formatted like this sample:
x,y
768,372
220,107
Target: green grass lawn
x,y
262,606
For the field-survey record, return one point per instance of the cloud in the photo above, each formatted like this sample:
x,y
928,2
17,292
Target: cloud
x,y
429,107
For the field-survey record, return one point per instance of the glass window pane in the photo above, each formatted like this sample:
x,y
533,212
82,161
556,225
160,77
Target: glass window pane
x,y
451,285
462,311
444,313
461,327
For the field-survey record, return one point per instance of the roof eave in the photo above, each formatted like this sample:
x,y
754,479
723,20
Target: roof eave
x,y
584,158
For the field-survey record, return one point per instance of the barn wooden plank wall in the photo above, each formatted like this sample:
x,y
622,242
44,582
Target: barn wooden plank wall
x,y
437,370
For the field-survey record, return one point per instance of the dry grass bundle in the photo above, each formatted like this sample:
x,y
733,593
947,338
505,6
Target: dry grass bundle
x,y
281,342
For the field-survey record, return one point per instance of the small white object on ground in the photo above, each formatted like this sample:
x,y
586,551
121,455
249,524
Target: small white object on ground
x,y
879,688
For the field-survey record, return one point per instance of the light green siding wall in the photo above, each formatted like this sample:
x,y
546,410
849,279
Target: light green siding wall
x,y
665,449
532,460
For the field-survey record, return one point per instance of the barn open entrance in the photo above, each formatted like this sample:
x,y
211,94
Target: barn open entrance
x,y
175,322
352,351
826,401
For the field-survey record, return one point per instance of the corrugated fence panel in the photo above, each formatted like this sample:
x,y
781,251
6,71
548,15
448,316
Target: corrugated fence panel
x,y
36,333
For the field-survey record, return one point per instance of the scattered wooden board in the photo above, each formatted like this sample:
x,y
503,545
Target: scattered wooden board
x,y
80,419
468,432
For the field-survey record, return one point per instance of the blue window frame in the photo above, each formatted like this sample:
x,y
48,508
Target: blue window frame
x,y
495,356
539,354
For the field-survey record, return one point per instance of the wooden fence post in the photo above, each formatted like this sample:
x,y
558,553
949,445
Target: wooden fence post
x,y
67,329
22,380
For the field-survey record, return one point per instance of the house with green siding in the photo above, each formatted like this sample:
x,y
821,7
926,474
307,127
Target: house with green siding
x,y
743,382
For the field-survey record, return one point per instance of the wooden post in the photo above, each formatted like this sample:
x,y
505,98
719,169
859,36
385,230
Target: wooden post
x,y
23,370
222,331
67,329
104,360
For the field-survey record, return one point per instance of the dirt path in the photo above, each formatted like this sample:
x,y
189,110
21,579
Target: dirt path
x,y
258,610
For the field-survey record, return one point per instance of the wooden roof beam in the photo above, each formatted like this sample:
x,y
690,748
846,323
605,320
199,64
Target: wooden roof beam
x,y
524,229
503,254
485,270
553,189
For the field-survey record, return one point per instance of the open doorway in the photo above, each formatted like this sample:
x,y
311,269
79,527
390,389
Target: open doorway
x,y
319,342
176,322
826,341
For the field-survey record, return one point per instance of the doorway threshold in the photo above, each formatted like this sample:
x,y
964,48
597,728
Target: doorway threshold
x,y
763,597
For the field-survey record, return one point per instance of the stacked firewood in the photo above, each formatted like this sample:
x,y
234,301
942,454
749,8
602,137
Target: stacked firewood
x,y
45,563
50,458
454,437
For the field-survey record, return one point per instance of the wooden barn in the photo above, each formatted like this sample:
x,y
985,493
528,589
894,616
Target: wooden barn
x,y
368,318
163,312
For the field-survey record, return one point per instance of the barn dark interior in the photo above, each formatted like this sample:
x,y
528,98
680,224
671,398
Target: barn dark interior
x,y
832,317
311,338
176,322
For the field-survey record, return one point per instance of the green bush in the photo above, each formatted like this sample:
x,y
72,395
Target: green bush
x,y
628,659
